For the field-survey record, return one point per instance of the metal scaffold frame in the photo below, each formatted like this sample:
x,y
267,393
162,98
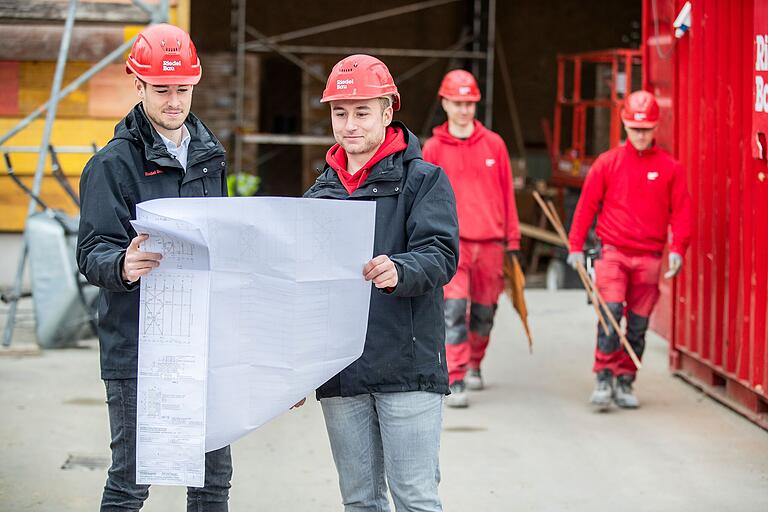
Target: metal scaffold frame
x,y
480,35
157,14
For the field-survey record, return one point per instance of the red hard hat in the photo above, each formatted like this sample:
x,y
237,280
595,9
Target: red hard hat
x,y
164,54
360,77
640,110
459,85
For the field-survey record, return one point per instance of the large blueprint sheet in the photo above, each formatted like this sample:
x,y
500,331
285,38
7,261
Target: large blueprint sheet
x,y
256,303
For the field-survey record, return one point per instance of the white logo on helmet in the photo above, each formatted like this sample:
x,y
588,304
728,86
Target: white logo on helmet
x,y
640,116
344,84
170,65
464,90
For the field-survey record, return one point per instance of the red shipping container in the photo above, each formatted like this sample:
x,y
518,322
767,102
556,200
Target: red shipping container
x,y
713,89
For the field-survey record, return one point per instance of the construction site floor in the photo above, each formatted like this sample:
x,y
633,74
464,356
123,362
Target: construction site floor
x,y
529,442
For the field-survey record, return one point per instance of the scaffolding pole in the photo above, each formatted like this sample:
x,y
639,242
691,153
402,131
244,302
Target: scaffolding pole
x,y
74,85
296,140
358,20
264,44
79,150
490,54
50,117
50,107
285,52
477,26
240,77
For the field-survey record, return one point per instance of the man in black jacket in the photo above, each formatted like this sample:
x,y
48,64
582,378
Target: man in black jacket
x,y
384,411
159,150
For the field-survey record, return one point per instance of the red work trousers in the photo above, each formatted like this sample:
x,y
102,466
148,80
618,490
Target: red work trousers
x,y
470,299
629,283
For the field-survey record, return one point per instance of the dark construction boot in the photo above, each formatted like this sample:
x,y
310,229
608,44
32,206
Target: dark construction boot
x,y
603,392
624,397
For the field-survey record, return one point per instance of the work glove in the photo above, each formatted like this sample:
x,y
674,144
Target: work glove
x,y
574,259
675,265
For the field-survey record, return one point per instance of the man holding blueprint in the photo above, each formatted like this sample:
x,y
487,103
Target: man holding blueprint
x,y
384,411
159,150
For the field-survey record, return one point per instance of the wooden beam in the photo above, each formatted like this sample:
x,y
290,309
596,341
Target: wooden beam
x,y
27,41
47,10
543,235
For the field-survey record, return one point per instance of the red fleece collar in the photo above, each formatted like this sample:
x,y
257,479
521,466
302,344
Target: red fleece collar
x,y
442,134
394,141
633,150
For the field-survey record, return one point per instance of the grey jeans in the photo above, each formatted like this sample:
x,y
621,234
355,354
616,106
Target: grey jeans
x,y
121,493
385,438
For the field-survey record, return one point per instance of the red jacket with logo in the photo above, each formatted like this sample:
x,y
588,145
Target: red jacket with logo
x,y
636,196
480,173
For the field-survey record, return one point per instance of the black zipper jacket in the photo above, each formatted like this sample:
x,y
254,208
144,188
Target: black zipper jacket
x,y
417,227
135,166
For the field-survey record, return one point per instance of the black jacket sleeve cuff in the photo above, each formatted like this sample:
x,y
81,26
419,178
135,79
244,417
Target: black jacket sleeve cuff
x,y
122,285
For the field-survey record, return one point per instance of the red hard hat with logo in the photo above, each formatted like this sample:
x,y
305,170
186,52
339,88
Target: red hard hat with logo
x,y
640,110
360,77
459,85
164,54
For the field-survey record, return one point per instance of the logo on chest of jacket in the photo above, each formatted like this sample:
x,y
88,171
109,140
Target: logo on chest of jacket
x,y
652,175
153,173
490,162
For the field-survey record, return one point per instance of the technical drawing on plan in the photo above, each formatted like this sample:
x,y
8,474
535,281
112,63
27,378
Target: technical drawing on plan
x,y
248,245
322,229
170,368
167,305
172,249
317,230
151,402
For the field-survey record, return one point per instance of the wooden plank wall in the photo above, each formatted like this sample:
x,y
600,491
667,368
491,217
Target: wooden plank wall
x,y
29,45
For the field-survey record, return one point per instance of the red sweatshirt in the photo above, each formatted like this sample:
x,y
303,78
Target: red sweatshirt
x,y
394,141
636,196
481,176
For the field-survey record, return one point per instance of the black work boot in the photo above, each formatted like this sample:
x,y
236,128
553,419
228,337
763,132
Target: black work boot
x,y
624,397
603,392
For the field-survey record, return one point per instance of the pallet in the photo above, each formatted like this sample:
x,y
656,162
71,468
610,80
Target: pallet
x,y
722,387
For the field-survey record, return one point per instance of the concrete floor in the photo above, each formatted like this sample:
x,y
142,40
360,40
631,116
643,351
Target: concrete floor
x,y
528,442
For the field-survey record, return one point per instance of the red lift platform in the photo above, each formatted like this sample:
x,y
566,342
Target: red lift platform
x,y
590,91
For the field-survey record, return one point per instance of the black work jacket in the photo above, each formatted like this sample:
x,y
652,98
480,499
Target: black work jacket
x,y
134,166
417,227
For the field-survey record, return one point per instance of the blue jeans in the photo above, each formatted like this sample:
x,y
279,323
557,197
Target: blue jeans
x,y
121,492
385,438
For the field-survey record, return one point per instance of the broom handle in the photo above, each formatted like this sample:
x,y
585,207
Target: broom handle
x,y
588,285
584,281
587,281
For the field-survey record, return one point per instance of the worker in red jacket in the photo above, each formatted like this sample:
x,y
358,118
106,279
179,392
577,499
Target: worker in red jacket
x,y
637,191
477,164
